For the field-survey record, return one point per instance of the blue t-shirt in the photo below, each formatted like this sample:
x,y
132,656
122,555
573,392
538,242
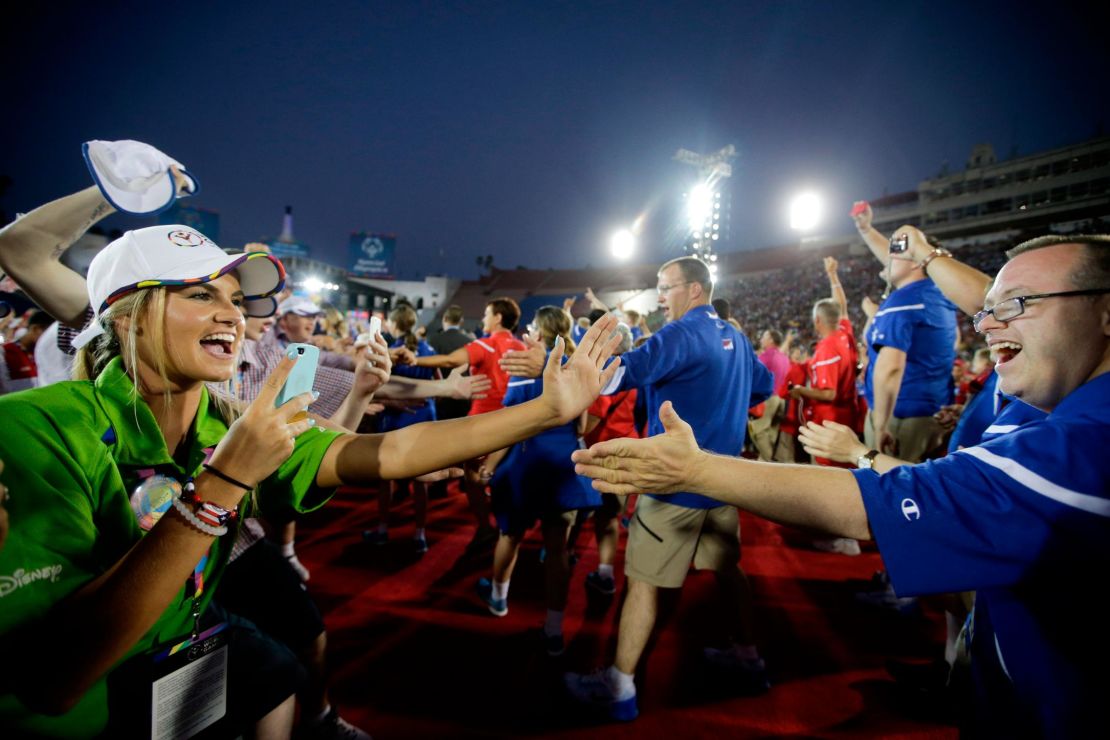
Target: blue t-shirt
x,y
921,322
397,419
537,475
1024,519
710,373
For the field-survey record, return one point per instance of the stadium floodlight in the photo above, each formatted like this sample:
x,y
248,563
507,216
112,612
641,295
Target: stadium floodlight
x,y
622,244
699,206
805,211
313,284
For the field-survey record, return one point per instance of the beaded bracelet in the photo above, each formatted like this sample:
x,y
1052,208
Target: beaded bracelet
x,y
196,523
937,252
206,511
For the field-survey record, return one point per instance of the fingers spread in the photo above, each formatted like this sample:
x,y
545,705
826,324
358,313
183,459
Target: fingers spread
x,y
555,359
608,373
597,340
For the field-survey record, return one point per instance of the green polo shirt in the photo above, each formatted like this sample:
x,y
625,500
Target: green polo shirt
x,y
73,454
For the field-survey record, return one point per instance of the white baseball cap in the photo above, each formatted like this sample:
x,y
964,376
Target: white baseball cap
x,y
135,177
175,255
298,305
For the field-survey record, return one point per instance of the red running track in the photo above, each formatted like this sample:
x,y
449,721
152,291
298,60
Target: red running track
x,y
413,653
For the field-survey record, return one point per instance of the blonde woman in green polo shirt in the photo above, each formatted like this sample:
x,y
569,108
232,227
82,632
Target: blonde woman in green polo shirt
x,y
123,485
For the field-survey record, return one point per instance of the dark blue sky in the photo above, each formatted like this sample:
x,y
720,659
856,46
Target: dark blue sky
x,y
531,130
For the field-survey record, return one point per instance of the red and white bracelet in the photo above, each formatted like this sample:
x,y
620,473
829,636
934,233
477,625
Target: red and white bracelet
x,y
205,516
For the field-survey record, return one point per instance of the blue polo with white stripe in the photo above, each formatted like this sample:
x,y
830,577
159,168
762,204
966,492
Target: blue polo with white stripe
x,y
989,414
708,370
921,322
1024,520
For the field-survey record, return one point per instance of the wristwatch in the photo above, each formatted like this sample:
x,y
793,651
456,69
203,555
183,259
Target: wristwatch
x,y
867,461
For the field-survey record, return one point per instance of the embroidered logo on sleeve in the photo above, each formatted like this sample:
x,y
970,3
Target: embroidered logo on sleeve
x,y
910,510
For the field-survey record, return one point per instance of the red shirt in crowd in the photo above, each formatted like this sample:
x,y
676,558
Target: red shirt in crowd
x,y
17,371
618,417
834,367
484,355
796,375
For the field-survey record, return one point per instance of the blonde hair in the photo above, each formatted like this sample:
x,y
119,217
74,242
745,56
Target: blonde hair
x,y
552,322
335,324
145,309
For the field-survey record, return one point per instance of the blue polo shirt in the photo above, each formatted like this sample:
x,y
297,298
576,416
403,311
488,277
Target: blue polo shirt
x,y
990,413
710,373
921,322
1024,519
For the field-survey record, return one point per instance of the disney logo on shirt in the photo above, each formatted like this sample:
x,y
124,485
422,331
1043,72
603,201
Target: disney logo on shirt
x,y
24,577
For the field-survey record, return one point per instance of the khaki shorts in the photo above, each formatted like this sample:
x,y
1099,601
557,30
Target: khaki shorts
x,y
915,435
664,539
764,430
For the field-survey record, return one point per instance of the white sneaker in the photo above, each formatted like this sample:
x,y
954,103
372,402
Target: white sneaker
x,y
839,545
298,566
135,177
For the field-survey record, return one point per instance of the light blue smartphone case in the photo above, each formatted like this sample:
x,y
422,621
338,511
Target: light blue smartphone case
x,y
304,372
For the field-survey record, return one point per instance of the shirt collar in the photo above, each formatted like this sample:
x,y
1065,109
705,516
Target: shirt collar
x,y
139,440
1089,399
249,354
697,312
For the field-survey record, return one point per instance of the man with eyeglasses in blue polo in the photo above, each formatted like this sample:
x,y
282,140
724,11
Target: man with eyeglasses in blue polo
x,y
1023,519
709,371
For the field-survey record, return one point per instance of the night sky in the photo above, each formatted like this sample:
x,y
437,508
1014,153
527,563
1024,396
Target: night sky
x,y
529,130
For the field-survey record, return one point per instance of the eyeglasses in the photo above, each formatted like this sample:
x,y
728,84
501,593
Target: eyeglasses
x,y
664,289
1011,308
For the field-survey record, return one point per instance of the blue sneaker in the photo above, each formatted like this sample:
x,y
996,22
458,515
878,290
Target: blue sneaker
x,y
420,544
497,607
594,691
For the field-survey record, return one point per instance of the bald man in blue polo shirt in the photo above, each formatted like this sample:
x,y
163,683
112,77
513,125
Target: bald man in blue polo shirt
x,y
708,370
1023,518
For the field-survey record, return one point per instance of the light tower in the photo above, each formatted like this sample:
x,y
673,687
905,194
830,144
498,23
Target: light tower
x,y
706,206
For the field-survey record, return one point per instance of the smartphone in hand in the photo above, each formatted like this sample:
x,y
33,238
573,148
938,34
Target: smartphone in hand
x,y
301,378
859,207
375,329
